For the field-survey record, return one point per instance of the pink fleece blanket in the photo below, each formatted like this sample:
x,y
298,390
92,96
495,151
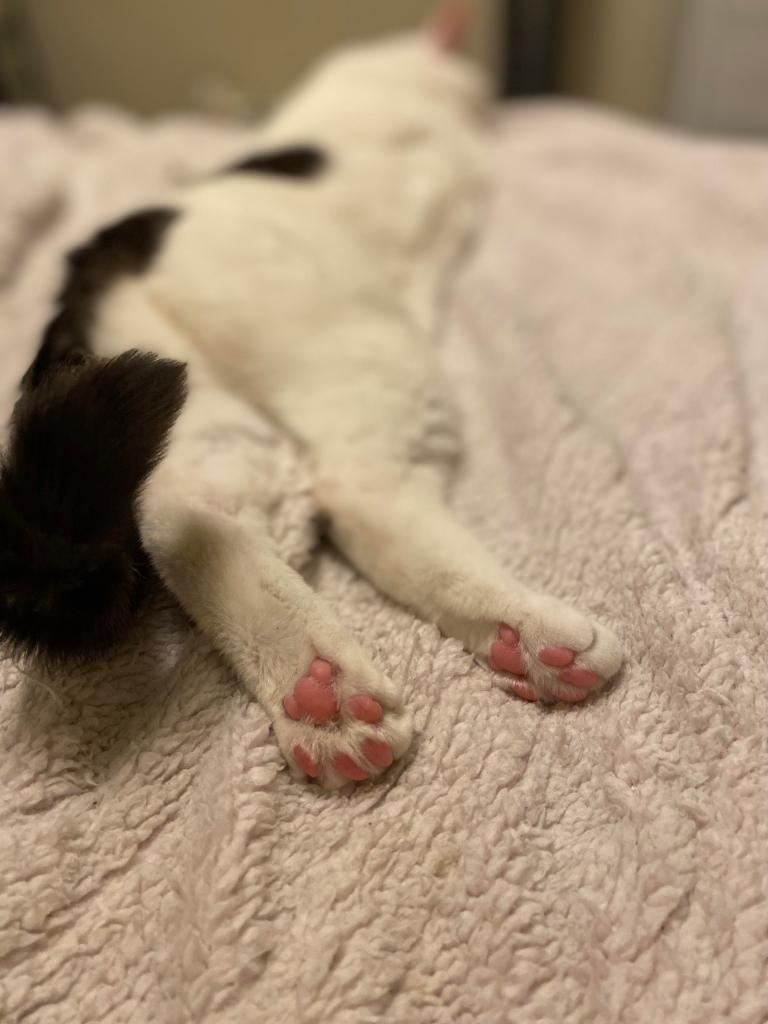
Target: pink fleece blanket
x,y
609,344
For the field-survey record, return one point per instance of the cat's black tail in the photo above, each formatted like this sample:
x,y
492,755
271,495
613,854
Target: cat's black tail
x,y
82,444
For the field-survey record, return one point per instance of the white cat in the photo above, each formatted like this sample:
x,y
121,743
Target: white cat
x,y
308,283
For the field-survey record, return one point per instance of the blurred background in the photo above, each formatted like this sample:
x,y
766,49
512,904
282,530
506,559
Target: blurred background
x,y
701,64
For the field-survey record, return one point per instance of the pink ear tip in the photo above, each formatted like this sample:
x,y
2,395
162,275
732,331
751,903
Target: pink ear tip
x,y
449,24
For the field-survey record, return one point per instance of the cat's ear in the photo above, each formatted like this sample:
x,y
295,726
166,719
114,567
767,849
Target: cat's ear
x,y
449,24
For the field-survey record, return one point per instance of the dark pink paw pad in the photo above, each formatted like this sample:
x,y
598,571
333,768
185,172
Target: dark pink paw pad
x,y
556,657
345,766
365,709
321,670
506,655
523,690
377,752
305,762
581,677
313,695
569,696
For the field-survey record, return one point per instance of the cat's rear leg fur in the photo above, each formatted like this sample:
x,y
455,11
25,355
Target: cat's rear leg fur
x,y
406,541
336,717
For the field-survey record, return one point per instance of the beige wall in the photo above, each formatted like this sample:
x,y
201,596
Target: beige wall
x,y
620,52
156,55
721,75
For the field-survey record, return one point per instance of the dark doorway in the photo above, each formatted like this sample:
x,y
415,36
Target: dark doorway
x,y
529,32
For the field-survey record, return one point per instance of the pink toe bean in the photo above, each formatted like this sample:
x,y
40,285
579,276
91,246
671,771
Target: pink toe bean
x,y
321,670
345,766
365,708
305,762
507,659
377,752
315,700
556,657
580,677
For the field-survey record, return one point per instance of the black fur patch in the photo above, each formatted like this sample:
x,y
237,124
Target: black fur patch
x,y
121,249
85,435
300,162
82,444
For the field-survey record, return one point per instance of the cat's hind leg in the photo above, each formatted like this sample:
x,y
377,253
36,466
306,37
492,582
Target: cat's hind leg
x,y
205,524
400,534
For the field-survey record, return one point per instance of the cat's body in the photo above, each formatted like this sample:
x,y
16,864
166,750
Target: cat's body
x,y
327,286
313,294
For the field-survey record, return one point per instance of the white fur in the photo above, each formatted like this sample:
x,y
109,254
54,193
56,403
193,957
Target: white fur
x,y
319,304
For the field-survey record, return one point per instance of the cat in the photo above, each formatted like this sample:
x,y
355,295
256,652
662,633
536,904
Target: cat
x,y
305,281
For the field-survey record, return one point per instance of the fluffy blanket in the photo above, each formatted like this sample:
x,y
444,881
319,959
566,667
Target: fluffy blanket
x,y
609,344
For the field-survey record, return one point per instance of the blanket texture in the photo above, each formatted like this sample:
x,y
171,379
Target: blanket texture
x,y
609,345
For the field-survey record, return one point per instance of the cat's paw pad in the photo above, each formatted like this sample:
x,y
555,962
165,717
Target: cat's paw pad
x,y
337,729
542,662
313,697
372,757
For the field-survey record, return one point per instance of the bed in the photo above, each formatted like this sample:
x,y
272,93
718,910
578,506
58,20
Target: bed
x,y
608,340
